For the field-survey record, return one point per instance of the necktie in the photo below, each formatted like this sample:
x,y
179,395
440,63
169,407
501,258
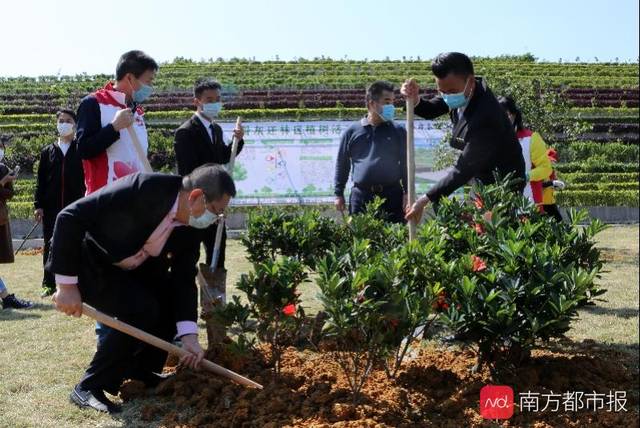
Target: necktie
x,y
213,134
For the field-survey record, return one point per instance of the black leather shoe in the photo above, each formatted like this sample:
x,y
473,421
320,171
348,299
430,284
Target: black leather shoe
x,y
93,399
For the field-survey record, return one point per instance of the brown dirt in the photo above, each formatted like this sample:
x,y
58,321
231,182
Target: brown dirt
x,y
31,251
436,388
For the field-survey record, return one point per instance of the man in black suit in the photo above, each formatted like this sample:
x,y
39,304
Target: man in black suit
x,y
198,141
124,250
480,128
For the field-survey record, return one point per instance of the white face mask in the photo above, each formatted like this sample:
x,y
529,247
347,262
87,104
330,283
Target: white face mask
x,y
65,129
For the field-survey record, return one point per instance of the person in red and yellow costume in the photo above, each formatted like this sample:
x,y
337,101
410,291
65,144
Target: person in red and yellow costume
x,y
538,158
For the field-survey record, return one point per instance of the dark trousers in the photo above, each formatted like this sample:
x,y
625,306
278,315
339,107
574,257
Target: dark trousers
x,y
141,298
553,211
208,237
392,208
48,222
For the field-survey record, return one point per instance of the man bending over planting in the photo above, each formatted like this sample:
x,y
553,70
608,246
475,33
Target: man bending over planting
x,y
481,128
124,250
374,151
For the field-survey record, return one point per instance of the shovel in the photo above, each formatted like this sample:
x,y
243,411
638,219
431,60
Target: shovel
x,y
411,167
212,281
164,345
26,238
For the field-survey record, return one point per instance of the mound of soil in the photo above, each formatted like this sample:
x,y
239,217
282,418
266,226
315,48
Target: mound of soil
x,y
435,388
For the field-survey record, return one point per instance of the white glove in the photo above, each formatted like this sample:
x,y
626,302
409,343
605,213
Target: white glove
x,y
558,185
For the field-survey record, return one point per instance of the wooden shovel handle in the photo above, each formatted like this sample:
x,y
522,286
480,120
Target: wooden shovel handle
x,y
164,345
234,148
142,157
411,166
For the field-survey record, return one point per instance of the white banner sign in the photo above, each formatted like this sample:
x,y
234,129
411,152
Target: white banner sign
x,y
294,162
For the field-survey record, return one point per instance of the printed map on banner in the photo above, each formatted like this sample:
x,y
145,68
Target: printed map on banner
x,y
294,162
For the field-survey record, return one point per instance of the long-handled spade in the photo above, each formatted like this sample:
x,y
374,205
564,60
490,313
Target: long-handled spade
x,y
212,280
27,237
411,167
164,345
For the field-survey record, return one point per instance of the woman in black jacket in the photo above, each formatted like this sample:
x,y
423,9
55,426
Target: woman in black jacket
x,y
60,182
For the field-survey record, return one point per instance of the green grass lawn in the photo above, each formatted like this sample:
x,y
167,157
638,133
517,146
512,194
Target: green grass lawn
x,y
43,353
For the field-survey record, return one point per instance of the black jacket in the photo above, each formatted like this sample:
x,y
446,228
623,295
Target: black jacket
x,y
114,222
485,136
194,148
60,178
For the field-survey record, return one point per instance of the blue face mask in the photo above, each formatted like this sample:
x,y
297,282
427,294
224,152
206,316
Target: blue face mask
x,y
388,112
211,109
142,94
205,220
458,100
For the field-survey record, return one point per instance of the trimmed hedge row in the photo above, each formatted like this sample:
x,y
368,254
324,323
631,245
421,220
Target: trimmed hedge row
x,y
567,198
606,187
597,166
597,152
598,198
600,177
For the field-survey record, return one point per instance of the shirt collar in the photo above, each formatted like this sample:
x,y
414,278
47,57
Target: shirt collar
x,y
365,122
206,122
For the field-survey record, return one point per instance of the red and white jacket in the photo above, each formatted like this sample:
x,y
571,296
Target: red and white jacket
x,y
107,154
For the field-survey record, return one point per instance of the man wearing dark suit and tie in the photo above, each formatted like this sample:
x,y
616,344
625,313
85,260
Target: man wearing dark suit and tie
x,y
198,141
125,249
480,129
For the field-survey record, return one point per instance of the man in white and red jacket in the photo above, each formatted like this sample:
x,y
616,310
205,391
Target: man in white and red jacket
x,y
104,140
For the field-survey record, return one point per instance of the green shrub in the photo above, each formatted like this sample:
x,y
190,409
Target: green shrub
x,y
20,210
305,235
274,302
518,276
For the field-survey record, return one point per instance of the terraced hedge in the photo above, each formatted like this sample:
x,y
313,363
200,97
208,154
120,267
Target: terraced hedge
x,y
600,168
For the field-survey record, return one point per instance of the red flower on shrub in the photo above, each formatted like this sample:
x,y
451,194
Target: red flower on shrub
x,y
478,202
289,310
478,264
479,228
441,304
